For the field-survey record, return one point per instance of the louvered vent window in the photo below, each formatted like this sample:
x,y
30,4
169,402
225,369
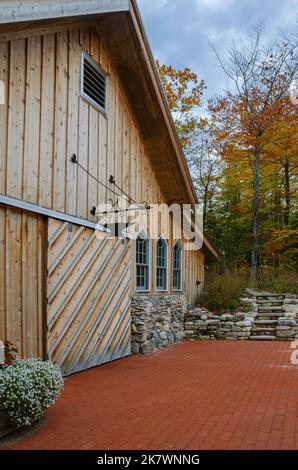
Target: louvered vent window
x,y
94,83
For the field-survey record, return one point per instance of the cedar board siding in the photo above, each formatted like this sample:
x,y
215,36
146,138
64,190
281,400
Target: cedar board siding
x,y
22,281
45,121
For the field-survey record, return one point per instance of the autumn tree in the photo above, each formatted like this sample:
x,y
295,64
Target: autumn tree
x,y
184,91
261,76
206,169
282,151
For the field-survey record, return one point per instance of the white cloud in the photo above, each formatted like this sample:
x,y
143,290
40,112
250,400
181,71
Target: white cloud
x,y
216,4
148,7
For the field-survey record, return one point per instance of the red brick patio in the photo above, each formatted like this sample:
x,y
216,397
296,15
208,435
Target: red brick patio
x,y
195,395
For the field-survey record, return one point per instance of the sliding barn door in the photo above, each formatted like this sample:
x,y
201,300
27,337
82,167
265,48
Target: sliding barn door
x,y
23,280
88,290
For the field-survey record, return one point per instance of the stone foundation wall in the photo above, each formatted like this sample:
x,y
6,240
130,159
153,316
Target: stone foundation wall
x,y
157,322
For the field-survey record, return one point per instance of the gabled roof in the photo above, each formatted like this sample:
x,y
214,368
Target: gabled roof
x,y
121,25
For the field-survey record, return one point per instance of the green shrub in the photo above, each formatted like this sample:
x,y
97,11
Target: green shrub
x,y
278,280
28,388
223,291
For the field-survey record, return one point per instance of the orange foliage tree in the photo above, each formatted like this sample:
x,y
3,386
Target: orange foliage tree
x,y
184,91
247,118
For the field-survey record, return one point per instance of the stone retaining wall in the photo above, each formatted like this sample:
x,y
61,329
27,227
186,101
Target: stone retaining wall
x,y
291,305
157,322
287,329
200,324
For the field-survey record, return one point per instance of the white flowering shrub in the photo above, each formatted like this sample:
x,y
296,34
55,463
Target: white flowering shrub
x,y
28,388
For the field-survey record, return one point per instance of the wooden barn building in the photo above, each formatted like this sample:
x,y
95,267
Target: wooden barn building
x,y
79,84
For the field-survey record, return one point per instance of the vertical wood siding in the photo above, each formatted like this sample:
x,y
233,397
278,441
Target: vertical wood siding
x,y
194,271
48,121
88,298
45,121
22,281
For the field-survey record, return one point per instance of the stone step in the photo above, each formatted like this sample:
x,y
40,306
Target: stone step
x,y
269,316
259,326
271,305
262,338
270,309
270,296
266,322
264,327
263,331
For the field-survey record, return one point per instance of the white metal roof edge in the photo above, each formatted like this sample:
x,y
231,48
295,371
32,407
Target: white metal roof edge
x,y
16,11
27,206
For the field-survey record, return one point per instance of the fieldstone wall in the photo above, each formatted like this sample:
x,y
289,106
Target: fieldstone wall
x,y
269,319
287,329
157,322
291,305
201,324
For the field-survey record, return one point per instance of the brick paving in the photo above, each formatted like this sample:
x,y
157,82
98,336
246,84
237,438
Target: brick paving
x,y
195,395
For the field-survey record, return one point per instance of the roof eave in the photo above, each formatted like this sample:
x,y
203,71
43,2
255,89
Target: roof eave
x,y
139,26
17,12
212,250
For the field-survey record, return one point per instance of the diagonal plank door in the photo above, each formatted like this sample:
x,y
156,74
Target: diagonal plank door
x,y
88,296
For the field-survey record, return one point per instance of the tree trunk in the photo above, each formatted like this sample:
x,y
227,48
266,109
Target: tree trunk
x,y
256,205
205,202
287,192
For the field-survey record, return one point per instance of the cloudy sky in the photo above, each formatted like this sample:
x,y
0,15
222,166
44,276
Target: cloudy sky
x,y
179,30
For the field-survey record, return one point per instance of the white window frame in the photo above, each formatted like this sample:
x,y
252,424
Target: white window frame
x,y
139,289
181,266
102,72
159,289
